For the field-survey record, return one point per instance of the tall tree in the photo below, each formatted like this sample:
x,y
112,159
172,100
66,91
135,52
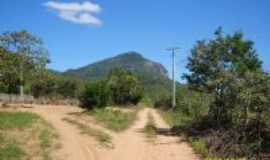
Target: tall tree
x,y
30,52
8,74
214,65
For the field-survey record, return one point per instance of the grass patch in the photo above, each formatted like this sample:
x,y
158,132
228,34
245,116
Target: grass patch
x,y
24,135
199,146
103,138
115,120
11,152
18,120
45,139
150,127
177,120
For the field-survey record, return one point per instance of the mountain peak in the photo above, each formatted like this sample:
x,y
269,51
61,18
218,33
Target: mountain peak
x,y
132,61
131,54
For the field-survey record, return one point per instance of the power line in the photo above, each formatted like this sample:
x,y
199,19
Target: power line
x,y
173,52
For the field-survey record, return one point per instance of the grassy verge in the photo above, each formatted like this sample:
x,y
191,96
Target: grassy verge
x,y
174,118
25,135
115,120
177,120
9,149
103,138
150,127
17,120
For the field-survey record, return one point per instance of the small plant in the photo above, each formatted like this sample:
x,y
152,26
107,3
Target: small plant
x,y
199,146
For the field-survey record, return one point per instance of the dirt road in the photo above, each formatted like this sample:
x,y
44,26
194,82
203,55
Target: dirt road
x,y
131,144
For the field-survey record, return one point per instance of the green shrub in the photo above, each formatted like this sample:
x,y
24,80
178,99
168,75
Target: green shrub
x,y
120,87
95,94
199,146
125,87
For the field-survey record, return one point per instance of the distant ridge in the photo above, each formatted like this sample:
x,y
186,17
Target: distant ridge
x,y
131,61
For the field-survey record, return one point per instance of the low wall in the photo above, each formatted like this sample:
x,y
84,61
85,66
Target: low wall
x,y
28,99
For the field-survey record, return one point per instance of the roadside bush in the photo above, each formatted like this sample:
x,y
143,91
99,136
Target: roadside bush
x,y
228,68
120,87
125,87
163,103
95,94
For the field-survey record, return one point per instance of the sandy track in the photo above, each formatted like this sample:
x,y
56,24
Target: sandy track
x,y
74,146
128,145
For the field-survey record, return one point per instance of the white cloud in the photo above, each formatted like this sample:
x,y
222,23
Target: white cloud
x,y
81,13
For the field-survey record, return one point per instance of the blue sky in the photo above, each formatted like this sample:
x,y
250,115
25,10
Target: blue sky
x,y
79,32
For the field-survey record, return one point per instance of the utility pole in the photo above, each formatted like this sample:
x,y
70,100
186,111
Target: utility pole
x,y
173,51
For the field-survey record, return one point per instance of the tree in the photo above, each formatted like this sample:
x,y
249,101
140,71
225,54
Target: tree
x,y
229,69
44,84
8,73
125,87
32,56
214,65
95,94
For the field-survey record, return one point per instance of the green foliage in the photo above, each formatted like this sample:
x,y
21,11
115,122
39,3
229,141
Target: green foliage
x,y
125,88
190,105
114,119
120,87
95,94
47,84
199,146
8,71
228,67
214,65
27,58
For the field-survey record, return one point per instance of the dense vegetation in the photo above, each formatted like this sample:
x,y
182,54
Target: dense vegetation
x,y
120,87
228,71
23,61
23,70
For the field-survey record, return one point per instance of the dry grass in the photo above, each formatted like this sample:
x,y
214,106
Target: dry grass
x,y
150,128
25,135
102,137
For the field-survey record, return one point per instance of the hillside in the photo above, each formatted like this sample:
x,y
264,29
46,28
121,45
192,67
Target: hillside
x,y
153,74
131,61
